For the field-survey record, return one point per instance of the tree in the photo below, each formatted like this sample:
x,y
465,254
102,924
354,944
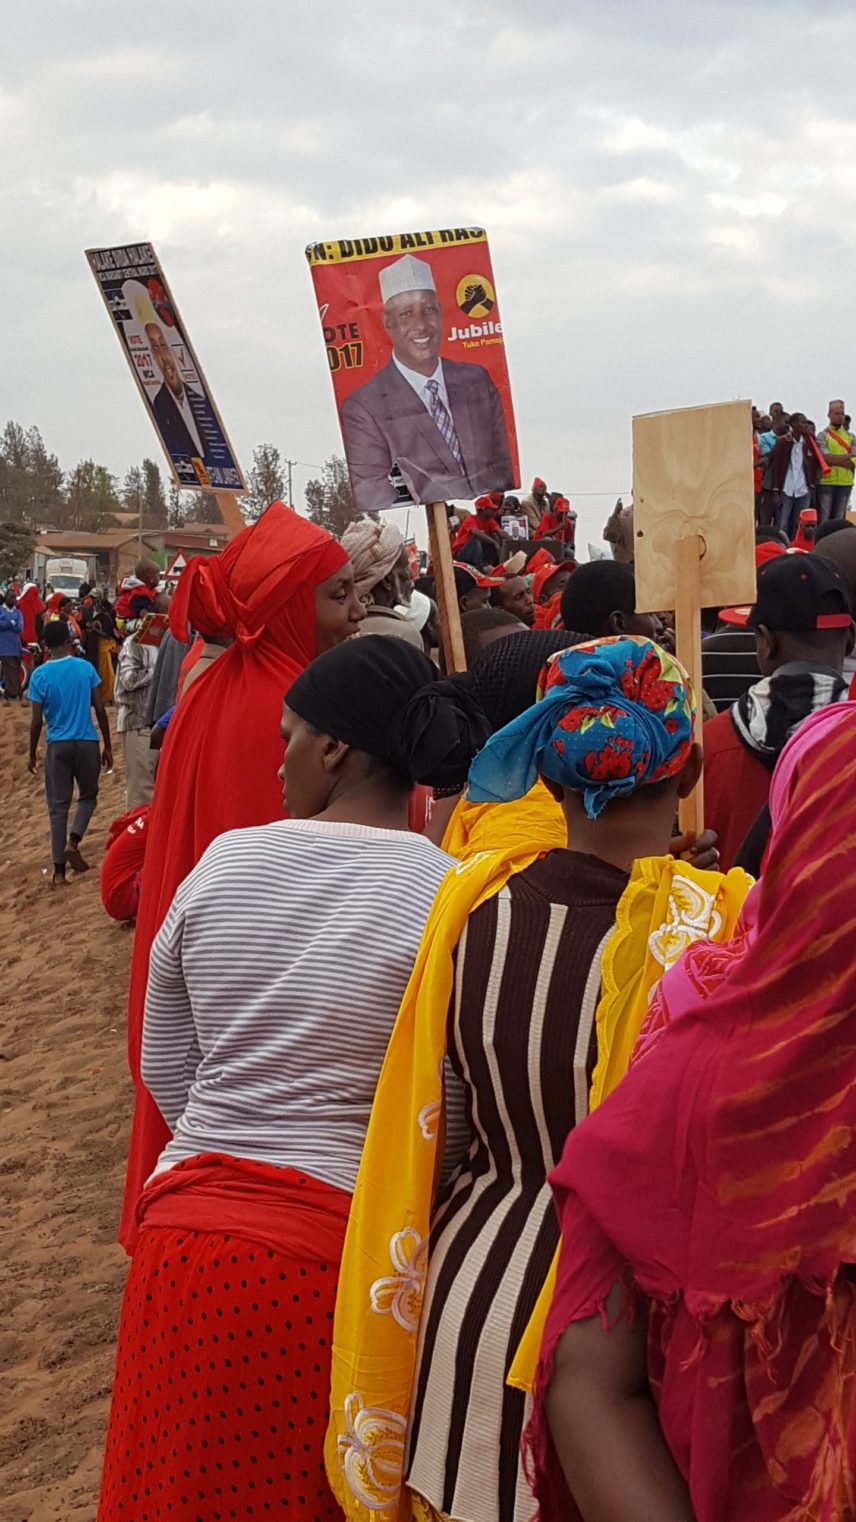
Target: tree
x,y
202,507
154,498
92,498
266,481
30,478
17,543
143,494
329,501
174,507
133,492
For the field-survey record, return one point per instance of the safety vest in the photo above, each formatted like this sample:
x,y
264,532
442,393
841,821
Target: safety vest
x,y
838,441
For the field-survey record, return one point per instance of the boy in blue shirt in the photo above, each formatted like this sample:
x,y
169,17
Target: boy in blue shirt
x,y
63,691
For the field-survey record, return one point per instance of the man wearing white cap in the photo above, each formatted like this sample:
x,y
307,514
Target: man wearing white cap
x,y
438,421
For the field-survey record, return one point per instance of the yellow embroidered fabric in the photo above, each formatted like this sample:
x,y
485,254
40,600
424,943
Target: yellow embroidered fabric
x,y
666,906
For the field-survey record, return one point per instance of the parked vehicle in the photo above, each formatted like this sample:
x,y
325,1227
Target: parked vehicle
x,y
63,573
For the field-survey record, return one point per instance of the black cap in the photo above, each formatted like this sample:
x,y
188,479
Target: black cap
x,y
798,594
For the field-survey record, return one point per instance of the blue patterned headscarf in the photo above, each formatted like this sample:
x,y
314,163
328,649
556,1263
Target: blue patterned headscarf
x,y
613,715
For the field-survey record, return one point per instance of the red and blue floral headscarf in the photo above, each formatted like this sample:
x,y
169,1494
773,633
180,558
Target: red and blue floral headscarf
x,y
612,715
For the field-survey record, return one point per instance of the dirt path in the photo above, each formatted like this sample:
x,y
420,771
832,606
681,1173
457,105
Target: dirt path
x,y
65,1102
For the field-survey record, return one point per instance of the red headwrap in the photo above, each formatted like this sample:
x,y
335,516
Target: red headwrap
x,y
801,540
29,605
219,762
538,484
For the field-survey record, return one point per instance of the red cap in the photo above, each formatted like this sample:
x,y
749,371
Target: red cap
x,y
538,484
768,550
541,557
561,505
739,617
545,573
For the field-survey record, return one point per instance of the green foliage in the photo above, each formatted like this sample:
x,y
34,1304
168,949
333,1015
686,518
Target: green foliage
x,y
91,498
329,501
266,481
31,482
17,542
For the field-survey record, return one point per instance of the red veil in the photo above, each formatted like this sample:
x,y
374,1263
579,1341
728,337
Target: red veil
x,y
218,767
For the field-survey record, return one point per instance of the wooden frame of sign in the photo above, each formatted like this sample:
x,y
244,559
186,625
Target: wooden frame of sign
x,y
440,547
694,528
230,510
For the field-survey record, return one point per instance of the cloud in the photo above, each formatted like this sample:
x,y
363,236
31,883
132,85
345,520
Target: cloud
x,y
663,187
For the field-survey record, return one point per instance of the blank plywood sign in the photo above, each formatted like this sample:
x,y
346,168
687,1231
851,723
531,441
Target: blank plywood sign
x,y
692,474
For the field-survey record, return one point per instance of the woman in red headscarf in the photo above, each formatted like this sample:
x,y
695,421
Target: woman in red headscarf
x,y
699,1360
283,591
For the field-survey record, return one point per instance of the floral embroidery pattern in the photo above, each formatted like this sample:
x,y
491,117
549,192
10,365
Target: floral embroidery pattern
x,y
692,916
401,1293
371,1453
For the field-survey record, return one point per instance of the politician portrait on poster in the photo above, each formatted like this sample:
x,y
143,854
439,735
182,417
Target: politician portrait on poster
x,y
443,423
165,367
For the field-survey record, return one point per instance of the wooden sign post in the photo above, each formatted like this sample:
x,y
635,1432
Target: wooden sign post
x,y
447,593
694,528
230,511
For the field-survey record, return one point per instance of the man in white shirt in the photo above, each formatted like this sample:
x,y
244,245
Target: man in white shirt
x,y
793,470
440,422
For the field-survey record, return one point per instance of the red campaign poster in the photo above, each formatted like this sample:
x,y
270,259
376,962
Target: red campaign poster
x,y
414,341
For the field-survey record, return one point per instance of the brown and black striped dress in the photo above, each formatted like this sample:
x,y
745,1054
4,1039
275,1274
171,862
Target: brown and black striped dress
x,y
527,982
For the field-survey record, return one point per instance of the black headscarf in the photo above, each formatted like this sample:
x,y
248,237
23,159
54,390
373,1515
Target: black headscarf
x,y
504,680
383,696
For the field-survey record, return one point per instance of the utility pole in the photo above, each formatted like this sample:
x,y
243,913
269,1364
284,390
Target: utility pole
x,y
290,463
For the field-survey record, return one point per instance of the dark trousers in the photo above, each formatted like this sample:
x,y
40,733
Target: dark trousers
x,y
832,501
67,762
10,671
788,514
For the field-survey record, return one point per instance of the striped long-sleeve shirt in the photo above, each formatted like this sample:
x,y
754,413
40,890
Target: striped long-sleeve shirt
x,y
274,984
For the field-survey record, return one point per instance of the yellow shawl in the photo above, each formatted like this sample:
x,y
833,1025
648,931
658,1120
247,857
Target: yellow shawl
x,y
385,1257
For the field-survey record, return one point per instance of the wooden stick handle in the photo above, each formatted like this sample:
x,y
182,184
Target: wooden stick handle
x,y
447,595
688,643
231,513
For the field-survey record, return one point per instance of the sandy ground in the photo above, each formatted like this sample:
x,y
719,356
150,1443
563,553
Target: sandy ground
x,y
65,1101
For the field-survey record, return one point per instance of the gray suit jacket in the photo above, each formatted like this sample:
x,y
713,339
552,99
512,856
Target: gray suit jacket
x,y
384,423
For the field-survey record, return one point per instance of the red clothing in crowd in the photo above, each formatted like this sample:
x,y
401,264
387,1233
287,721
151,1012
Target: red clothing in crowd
x,y
736,786
472,524
30,603
218,767
257,1249
122,869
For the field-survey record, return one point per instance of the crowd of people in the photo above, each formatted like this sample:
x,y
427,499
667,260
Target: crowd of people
x,y
803,477
493,1143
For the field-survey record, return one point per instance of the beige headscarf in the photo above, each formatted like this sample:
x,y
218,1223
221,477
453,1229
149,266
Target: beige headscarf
x,y
372,548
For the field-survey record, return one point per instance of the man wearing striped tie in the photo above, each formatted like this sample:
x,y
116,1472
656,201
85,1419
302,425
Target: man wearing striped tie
x,y
438,420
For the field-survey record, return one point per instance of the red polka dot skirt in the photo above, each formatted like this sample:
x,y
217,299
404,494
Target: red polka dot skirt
x,y
221,1391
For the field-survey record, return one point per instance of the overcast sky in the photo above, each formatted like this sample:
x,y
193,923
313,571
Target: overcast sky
x,y
668,190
